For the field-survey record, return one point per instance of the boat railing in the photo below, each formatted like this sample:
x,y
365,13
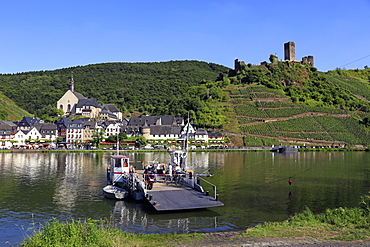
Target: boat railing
x,y
214,187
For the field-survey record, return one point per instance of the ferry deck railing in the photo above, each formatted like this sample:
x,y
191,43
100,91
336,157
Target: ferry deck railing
x,y
214,187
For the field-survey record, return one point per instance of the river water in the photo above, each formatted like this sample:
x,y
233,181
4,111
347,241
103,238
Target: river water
x,y
36,187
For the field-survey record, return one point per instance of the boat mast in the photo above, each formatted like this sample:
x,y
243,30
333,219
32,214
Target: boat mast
x,y
117,145
187,135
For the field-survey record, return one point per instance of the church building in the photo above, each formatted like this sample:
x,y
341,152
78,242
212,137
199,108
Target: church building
x,y
73,103
69,99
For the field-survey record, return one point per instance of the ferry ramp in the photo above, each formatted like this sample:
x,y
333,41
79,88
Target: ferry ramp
x,y
172,197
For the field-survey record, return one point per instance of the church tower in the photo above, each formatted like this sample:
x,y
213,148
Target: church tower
x,y
71,84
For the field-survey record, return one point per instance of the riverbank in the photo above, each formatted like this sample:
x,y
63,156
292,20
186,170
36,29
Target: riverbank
x,y
244,149
334,227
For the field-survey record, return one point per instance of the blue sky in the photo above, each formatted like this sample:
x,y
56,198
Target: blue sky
x,y
54,34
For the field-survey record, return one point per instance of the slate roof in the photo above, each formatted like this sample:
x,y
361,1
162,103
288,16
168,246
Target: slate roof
x,y
78,95
28,121
90,124
76,124
214,135
87,102
4,127
108,113
201,132
110,107
167,120
165,130
63,122
108,122
5,130
10,123
47,128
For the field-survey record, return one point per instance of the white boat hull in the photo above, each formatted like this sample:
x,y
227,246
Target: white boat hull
x,y
114,192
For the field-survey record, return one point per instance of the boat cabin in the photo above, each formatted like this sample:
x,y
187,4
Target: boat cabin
x,y
119,165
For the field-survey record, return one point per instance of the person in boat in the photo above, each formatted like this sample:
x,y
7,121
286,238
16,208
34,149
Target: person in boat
x,y
146,169
132,169
160,169
155,171
169,171
177,169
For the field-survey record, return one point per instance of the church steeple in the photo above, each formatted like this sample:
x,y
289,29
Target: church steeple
x,y
71,84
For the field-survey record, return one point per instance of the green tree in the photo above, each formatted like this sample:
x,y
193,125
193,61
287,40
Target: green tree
x,y
366,122
98,137
111,139
122,136
140,141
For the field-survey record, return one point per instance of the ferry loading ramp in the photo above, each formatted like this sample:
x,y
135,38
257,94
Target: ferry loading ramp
x,y
172,197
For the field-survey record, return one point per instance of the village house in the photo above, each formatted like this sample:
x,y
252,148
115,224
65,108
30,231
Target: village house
x,y
33,133
27,123
111,128
19,139
193,134
33,138
6,136
74,132
87,107
215,136
49,134
154,127
88,130
71,131
110,112
163,128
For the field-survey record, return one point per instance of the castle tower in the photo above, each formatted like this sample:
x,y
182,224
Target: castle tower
x,y
237,66
310,61
289,51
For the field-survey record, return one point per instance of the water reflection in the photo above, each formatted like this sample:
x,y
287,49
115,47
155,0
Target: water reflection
x,y
67,186
138,217
35,187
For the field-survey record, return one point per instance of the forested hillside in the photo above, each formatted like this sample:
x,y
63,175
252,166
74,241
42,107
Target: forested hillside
x,y
10,111
152,88
272,103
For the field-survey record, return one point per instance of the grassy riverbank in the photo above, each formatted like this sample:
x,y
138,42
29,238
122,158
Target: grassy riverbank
x,y
341,224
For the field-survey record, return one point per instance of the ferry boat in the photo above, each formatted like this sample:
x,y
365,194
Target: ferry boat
x,y
122,177
176,190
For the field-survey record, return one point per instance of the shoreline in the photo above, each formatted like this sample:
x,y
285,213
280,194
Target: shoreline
x,y
245,149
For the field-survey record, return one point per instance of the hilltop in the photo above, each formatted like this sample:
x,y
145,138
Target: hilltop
x,y
290,102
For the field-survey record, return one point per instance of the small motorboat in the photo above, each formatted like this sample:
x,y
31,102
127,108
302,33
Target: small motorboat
x,y
114,192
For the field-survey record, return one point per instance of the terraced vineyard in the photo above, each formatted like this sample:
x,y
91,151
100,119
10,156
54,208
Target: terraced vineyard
x,y
266,117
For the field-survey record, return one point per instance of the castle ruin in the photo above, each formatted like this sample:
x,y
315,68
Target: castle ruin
x,y
289,51
289,56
